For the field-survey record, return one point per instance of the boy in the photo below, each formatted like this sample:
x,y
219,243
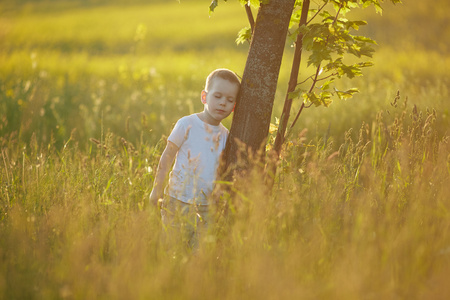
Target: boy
x,y
195,143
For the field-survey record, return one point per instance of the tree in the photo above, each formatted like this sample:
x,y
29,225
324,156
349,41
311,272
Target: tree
x,y
325,34
255,101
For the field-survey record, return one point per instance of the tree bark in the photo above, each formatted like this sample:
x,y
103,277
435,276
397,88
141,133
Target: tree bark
x,y
252,115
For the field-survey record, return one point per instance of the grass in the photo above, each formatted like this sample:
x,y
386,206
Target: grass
x,y
360,207
368,220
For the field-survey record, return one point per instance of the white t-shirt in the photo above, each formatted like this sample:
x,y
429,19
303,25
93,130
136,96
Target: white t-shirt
x,y
192,177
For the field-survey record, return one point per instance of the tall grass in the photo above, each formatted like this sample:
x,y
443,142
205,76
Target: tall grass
x,y
370,220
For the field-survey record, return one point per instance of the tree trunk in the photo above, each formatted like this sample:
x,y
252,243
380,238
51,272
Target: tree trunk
x,y
252,115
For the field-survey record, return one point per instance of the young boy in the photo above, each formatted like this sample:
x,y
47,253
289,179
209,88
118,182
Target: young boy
x,y
195,143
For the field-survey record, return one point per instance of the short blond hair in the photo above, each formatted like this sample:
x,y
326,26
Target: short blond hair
x,y
224,74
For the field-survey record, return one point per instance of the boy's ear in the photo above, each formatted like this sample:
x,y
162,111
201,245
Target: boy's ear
x,y
203,97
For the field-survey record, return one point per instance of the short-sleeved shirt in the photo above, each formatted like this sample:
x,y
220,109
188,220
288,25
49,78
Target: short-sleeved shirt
x,y
200,146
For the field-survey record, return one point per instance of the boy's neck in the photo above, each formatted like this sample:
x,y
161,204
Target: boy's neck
x,y
208,119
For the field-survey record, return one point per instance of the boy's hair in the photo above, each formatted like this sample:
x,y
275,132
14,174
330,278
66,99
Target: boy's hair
x,y
224,74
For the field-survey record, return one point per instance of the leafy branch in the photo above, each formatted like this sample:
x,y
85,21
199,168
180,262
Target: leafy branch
x,y
328,41
326,37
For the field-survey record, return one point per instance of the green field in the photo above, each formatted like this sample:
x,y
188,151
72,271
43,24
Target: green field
x,y
90,89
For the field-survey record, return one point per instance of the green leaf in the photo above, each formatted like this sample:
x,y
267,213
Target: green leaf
x,y
352,5
308,41
365,64
364,39
325,99
351,71
318,56
344,95
213,5
251,3
355,24
326,15
292,36
303,29
336,4
298,3
355,50
296,94
254,3
331,29
327,84
378,8
311,97
295,18
366,50
334,65
245,34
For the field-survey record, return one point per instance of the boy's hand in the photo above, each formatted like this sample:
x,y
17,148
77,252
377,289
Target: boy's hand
x,y
155,199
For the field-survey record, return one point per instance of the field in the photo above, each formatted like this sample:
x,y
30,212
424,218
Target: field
x,y
89,90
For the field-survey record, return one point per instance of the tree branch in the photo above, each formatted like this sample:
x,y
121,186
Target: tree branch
x,y
309,77
326,77
279,140
251,20
298,115
315,80
318,11
303,104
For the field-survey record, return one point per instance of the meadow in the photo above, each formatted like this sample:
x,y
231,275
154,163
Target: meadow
x,y
89,90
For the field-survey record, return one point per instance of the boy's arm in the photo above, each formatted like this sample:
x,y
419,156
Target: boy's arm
x,y
165,163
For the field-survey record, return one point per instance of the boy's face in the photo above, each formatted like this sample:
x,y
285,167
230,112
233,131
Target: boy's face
x,y
219,101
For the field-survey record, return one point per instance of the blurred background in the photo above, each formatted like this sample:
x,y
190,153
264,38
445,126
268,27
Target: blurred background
x,y
81,68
